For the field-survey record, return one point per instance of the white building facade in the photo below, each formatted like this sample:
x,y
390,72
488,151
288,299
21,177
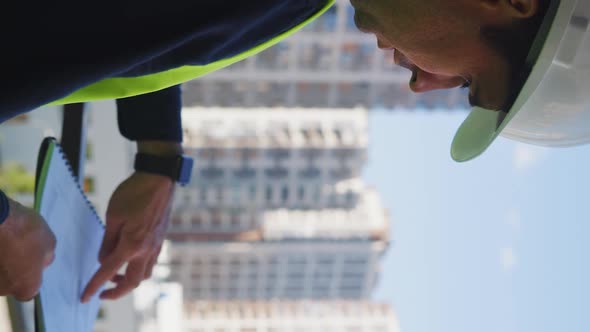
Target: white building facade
x,y
276,208
264,270
250,162
290,316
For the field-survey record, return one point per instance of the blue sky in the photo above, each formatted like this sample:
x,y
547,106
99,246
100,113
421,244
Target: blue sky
x,y
499,244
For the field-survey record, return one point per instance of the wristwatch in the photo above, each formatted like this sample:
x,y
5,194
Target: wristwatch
x,y
179,168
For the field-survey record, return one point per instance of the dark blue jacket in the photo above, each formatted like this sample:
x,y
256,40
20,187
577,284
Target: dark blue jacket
x,y
53,48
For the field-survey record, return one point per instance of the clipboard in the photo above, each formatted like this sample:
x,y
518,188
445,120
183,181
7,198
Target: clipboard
x,y
79,232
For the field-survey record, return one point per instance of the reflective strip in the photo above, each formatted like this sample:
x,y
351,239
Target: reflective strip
x,y
121,87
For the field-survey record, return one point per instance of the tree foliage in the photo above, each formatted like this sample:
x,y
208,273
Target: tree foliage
x,y
14,179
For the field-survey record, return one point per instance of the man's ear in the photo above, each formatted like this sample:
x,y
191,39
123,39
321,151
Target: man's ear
x,y
512,8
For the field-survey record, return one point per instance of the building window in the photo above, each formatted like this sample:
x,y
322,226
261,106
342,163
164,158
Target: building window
x,y
310,173
219,194
315,56
353,275
253,193
176,221
269,194
211,153
278,154
175,262
341,173
253,292
353,293
271,94
203,195
356,260
301,193
234,275
235,219
285,194
216,219
212,173
276,173
393,95
357,56
353,94
297,262
253,263
313,94
245,173
236,195
247,154
317,194
276,57
196,221
311,154
350,197
338,135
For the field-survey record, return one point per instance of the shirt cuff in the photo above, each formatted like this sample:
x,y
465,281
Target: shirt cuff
x,y
152,116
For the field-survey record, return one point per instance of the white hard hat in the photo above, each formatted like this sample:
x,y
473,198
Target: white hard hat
x,y
553,106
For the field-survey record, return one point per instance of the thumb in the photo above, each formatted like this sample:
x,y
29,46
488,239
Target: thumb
x,y
48,259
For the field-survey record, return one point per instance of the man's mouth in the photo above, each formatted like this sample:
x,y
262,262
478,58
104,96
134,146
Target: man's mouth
x,y
384,46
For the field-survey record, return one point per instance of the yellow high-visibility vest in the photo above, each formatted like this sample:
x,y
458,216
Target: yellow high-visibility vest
x,y
121,87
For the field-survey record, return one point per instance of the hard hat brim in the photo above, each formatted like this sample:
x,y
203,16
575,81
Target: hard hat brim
x,y
483,126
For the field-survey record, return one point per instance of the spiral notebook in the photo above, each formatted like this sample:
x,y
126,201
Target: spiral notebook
x,y
79,231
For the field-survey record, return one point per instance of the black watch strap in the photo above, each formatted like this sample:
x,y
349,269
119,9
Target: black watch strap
x,y
178,168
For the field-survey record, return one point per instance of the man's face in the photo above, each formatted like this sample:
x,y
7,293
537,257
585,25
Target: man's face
x,y
440,42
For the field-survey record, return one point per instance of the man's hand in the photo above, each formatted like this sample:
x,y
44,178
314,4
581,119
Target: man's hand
x,y
26,248
137,218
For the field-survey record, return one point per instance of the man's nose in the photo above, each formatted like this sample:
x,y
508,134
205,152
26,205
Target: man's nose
x,y
423,81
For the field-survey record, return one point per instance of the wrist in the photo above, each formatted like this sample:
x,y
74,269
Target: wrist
x,y
159,148
177,167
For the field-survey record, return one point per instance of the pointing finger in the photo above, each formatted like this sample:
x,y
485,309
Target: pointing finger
x,y
106,272
133,277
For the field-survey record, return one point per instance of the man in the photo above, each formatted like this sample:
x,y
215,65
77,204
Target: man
x,y
71,51
515,56
483,45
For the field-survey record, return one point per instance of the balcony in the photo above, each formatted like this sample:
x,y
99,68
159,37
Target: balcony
x,y
341,173
212,173
310,173
245,173
276,173
278,153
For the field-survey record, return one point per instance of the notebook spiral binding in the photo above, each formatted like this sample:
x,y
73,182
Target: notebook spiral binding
x,y
75,178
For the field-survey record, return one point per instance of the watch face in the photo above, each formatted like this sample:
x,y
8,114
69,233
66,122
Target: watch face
x,y
186,170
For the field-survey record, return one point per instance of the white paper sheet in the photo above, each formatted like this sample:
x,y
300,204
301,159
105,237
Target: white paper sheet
x,y
79,234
